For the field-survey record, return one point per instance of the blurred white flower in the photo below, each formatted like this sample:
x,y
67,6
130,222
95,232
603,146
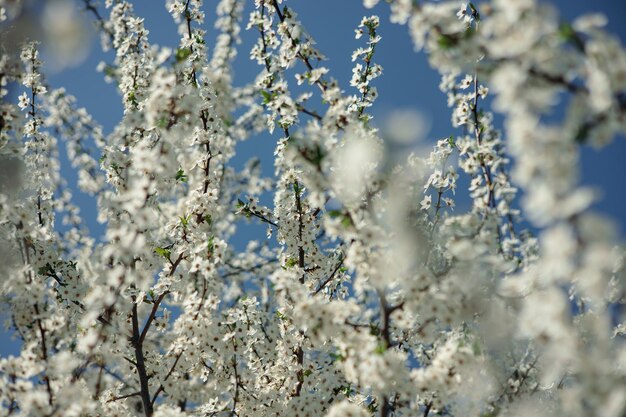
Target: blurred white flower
x,y
67,37
406,126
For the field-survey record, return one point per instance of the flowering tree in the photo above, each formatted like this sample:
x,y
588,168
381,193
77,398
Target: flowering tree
x,y
370,295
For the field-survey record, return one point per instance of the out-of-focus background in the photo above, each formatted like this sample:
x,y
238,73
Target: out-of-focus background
x,y
409,97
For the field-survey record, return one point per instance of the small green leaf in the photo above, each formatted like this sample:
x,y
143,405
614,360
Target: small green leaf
x,y
109,71
291,262
45,270
308,372
162,123
346,221
334,213
566,31
372,407
345,389
446,41
267,97
474,10
132,98
568,34
182,54
163,252
180,175
380,349
582,134
184,220
210,245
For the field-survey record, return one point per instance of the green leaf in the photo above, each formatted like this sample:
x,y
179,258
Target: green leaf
x,y
568,34
184,220
45,270
346,221
267,97
446,41
566,31
162,123
345,389
109,71
291,262
210,245
582,134
308,372
474,10
163,252
380,349
182,54
180,175
334,213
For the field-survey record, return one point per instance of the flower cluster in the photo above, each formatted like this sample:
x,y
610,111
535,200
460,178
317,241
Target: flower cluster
x,y
373,287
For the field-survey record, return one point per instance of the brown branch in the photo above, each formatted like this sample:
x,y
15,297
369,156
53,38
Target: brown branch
x,y
124,397
155,307
332,275
296,190
94,10
44,355
158,301
140,364
311,113
321,84
427,409
161,387
385,313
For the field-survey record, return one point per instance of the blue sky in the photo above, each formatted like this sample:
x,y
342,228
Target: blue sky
x,y
407,82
